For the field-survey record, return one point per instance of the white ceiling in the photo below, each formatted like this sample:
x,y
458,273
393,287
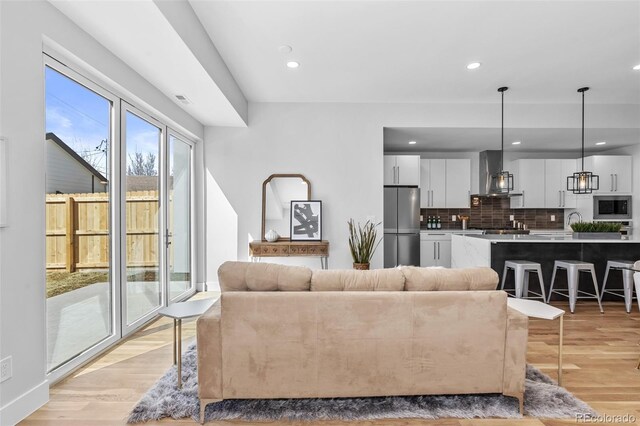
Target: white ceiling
x,y
140,34
446,139
416,51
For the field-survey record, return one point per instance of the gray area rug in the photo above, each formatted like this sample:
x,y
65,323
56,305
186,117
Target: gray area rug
x,y
543,398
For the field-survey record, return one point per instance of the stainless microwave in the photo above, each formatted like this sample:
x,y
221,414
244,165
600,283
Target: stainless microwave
x,y
612,207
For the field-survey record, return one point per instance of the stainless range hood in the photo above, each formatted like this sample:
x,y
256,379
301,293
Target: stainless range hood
x,y
490,166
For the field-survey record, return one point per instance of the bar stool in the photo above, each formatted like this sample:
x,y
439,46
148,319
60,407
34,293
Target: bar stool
x,y
627,280
521,270
573,268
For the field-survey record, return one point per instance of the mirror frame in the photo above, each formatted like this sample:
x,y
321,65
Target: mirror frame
x,y
264,197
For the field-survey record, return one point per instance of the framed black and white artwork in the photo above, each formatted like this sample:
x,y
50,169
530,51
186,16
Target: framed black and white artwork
x,y
306,220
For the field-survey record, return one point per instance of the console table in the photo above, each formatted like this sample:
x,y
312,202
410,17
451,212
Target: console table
x,y
287,248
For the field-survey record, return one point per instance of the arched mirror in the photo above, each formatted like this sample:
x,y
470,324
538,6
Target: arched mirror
x,y
277,193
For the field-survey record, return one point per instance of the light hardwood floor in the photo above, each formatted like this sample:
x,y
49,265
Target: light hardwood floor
x,y
600,352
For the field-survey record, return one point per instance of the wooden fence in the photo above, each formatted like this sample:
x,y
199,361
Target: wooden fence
x,y
77,227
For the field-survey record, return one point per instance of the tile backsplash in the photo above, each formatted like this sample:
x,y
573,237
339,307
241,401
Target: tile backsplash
x,y
494,212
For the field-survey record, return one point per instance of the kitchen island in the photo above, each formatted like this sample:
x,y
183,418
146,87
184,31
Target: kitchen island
x,y
493,250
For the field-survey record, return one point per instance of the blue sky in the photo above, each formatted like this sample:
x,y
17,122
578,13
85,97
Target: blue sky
x,y
81,118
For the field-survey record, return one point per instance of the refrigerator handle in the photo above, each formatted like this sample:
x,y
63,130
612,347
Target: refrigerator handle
x,y
434,250
438,250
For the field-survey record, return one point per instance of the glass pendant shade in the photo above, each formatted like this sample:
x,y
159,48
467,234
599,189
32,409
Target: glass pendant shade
x,y
503,181
583,182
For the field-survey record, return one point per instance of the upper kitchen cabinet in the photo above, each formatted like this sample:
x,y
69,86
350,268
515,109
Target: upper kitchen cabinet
x,y
402,170
458,183
615,172
445,183
528,176
433,178
556,194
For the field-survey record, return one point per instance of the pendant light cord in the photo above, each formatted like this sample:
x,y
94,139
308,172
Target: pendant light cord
x,y
502,135
582,152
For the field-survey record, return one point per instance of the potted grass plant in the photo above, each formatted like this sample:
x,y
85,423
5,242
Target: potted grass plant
x,y
362,243
596,230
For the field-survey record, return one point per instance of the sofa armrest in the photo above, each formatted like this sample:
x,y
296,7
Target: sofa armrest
x,y
515,354
209,339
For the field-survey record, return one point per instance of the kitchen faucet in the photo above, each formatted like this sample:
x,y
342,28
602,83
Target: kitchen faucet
x,y
571,214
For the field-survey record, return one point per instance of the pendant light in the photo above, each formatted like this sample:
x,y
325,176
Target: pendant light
x,y
503,179
583,182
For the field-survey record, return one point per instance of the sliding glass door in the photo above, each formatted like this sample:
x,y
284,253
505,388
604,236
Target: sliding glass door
x,y
79,204
142,256
179,184
119,217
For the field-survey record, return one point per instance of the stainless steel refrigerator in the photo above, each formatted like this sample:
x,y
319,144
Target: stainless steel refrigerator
x,y
401,226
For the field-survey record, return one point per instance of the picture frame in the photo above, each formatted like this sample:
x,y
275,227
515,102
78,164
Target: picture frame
x,y
305,220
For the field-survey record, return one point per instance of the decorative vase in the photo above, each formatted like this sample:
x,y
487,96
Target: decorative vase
x,y
361,266
271,236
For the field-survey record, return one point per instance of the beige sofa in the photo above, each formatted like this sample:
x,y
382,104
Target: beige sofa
x,y
289,332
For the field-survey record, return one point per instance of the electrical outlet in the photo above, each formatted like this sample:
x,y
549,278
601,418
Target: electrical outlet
x,y
553,218
5,369
453,218
512,218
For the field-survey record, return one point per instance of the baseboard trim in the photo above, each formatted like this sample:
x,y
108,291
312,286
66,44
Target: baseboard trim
x,y
24,405
212,286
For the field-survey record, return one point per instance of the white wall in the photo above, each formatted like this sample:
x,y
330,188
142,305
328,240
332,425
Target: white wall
x,y
339,148
23,26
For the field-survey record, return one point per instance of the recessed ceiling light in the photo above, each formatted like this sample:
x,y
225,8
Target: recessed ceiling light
x,y
516,143
637,67
285,48
601,143
473,65
293,64
412,142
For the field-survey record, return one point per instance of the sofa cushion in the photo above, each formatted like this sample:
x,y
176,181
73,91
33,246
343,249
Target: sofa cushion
x,y
353,280
439,279
247,276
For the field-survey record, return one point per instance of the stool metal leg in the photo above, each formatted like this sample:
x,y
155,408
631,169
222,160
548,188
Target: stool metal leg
x,y
572,281
525,288
595,286
636,281
553,280
519,279
541,280
606,278
627,278
504,276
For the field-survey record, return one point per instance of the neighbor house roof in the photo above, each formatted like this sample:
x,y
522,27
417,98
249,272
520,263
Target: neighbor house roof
x,y
55,139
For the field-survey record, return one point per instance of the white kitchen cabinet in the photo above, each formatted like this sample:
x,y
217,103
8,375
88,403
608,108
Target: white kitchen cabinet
x,y
528,176
389,169
402,170
433,180
556,194
615,172
445,183
435,249
458,184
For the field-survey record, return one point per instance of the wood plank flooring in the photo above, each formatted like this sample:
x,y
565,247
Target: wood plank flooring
x,y
600,354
